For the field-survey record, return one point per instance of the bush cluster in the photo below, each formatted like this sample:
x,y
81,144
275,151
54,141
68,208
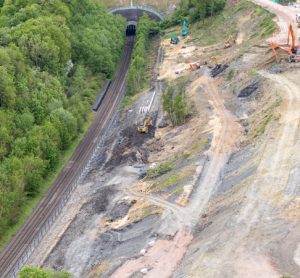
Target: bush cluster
x,y
174,103
194,10
136,74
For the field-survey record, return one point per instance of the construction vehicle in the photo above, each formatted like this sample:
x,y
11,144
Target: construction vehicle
x,y
229,42
184,28
298,20
174,39
292,50
144,128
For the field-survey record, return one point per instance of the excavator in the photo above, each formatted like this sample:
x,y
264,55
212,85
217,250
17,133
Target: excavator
x,y
144,128
184,28
229,42
292,50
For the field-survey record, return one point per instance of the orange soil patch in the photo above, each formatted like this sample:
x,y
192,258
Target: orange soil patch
x,y
160,260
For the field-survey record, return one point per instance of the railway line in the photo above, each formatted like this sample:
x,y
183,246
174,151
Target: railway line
x,y
18,250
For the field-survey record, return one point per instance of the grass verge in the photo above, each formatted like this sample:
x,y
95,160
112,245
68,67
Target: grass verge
x,y
261,126
129,100
180,176
160,169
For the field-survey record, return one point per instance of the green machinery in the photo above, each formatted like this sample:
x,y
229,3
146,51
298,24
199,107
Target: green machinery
x,y
174,39
184,28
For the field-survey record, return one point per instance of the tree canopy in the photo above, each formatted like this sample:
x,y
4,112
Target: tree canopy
x,y
31,272
54,56
194,10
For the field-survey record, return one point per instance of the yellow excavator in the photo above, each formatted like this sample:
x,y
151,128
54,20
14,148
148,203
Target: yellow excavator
x,y
229,42
144,128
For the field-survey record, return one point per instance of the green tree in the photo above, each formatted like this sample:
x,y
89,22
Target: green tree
x,y
31,272
174,103
136,73
54,56
7,89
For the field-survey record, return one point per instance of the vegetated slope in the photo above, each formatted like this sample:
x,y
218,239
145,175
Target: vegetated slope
x,y
29,272
159,4
54,56
137,69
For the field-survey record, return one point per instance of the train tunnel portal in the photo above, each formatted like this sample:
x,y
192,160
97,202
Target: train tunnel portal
x,y
132,15
131,28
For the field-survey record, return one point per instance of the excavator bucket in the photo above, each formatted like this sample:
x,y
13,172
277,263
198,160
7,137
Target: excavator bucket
x,y
145,127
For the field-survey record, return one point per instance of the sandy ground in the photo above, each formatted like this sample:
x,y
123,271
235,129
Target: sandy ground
x,y
160,261
284,17
226,131
242,245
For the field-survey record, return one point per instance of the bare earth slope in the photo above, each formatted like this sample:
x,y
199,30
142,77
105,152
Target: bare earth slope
x,y
228,204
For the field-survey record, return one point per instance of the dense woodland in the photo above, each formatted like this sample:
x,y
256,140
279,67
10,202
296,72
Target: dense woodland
x,y
54,56
194,10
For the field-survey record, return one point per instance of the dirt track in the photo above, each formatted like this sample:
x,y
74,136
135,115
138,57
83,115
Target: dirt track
x,y
241,245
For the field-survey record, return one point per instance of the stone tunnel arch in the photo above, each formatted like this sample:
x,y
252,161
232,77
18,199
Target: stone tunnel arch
x,y
133,13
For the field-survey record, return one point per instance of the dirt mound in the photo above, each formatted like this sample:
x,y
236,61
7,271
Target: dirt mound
x,y
218,69
249,90
130,148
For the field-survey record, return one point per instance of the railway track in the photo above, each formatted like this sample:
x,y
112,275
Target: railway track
x,y
18,250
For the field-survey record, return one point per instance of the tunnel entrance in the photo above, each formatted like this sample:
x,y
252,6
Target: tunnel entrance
x,y
131,30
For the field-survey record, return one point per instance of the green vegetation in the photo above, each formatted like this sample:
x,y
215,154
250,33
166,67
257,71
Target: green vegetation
x,y
176,178
54,56
266,116
147,28
266,25
31,272
199,146
162,5
234,18
160,169
230,75
174,102
195,10
253,72
150,62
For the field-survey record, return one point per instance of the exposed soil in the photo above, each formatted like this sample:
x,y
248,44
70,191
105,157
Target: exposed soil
x,y
227,206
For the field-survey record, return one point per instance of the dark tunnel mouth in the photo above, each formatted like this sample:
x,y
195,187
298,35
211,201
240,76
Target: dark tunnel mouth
x,y
131,30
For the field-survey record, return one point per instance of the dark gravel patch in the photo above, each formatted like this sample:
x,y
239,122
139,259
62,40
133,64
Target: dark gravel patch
x,y
120,210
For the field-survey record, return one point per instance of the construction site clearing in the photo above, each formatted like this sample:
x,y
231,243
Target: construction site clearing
x,y
217,196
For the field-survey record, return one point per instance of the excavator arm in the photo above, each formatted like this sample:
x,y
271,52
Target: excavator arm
x,y
290,48
291,35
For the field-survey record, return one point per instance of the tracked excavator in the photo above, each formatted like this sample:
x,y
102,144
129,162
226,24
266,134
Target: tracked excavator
x,y
229,42
144,128
184,32
292,50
